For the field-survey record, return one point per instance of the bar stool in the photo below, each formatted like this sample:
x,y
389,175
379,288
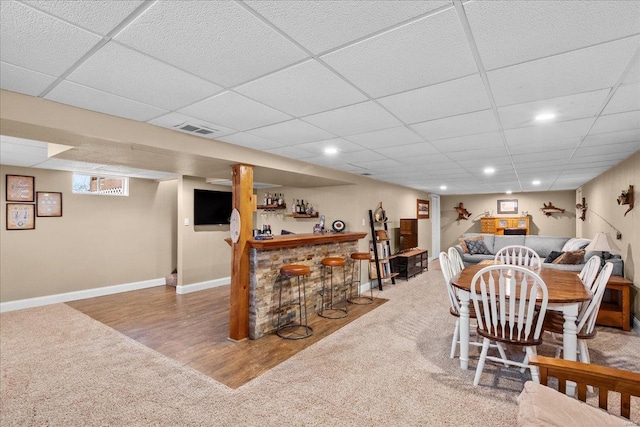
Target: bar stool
x,y
288,272
331,311
357,258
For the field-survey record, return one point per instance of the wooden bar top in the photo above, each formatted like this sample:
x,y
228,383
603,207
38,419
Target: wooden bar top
x,y
294,240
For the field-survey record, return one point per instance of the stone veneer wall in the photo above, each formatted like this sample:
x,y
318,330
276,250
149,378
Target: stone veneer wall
x,y
265,269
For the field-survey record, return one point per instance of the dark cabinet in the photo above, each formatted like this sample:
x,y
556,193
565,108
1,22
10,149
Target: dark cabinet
x,y
410,263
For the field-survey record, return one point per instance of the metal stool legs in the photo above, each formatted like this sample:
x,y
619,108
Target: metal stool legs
x,y
329,309
357,258
288,330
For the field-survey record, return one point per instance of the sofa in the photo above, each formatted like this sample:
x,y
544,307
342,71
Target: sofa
x,y
543,245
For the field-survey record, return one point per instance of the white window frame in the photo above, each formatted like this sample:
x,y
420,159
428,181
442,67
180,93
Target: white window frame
x,y
86,189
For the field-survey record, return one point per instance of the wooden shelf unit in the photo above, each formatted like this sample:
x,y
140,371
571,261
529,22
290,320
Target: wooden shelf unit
x,y
497,225
313,215
410,263
381,268
271,207
408,233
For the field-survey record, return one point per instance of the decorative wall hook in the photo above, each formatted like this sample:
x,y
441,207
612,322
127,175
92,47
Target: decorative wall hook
x,y
583,208
549,209
626,198
462,212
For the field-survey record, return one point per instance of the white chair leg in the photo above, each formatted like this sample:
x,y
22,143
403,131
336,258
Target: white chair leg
x,y
584,357
535,375
525,361
454,342
503,354
481,360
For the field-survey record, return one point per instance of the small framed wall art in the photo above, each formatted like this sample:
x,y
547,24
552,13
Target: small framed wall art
x,y
21,216
508,206
20,188
423,209
48,203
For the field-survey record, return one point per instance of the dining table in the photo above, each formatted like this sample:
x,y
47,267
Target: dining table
x,y
566,294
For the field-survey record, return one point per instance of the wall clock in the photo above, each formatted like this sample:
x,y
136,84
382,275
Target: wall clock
x,y
234,225
338,225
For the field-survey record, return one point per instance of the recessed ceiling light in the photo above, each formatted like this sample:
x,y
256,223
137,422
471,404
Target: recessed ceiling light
x,y
330,150
443,187
536,182
545,116
508,192
489,171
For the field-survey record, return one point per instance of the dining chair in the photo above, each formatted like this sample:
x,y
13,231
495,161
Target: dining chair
x,y
456,260
454,305
586,321
518,255
590,271
510,303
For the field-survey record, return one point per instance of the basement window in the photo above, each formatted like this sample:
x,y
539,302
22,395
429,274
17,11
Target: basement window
x,y
102,185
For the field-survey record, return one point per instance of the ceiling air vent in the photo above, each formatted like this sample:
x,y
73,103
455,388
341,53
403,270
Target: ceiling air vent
x,y
197,129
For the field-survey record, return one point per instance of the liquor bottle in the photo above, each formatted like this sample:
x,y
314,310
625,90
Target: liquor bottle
x,y
297,206
302,206
265,199
293,206
269,199
280,199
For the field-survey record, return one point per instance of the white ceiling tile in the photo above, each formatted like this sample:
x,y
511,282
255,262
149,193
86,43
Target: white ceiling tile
x,y
626,98
102,17
545,146
500,163
612,137
293,152
174,121
119,70
21,80
342,21
381,164
385,138
292,132
621,150
341,144
442,100
564,74
480,154
358,157
489,140
62,164
425,52
303,89
461,125
568,107
409,150
616,122
250,141
547,132
543,156
512,32
633,74
354,119
39,42
218,41
429,162
235,111
95,100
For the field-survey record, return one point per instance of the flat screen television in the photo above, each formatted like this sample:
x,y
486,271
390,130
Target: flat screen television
x,y
211,207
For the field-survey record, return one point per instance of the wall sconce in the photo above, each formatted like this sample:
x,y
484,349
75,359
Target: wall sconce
x,y
626,198
582,207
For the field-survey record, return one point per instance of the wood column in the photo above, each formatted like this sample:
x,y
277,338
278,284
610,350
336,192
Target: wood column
x,y
242,179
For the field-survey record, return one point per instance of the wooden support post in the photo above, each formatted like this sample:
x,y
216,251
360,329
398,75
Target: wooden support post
x,y
240,268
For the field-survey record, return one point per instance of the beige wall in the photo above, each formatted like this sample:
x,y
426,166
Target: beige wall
x,y
558,224
99,240
600,195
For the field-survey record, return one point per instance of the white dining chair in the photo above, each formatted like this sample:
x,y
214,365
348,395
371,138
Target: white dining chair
x,y
518,255
456,260
589,272
510,303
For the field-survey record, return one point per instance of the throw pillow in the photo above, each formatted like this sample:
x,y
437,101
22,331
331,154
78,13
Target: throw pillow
x,y
477,247
552,256
575,244
463,245
570,257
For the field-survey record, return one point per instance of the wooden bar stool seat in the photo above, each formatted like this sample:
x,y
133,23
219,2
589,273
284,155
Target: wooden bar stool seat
x,y
357,258
333,309
292,329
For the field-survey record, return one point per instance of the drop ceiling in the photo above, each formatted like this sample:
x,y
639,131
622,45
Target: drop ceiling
x,y
423,94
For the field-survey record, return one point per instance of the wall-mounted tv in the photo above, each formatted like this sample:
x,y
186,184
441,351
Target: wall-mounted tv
x,y
211,207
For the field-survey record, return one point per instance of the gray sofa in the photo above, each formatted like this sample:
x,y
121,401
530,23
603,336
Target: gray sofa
x,y
543,245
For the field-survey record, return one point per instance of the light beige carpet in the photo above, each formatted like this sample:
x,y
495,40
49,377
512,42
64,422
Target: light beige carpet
x,y
391,367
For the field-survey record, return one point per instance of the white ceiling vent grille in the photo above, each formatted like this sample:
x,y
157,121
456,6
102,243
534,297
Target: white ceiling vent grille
x,y
196,129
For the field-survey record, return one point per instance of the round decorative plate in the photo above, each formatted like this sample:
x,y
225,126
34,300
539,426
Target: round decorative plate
x,y
234,227
338,225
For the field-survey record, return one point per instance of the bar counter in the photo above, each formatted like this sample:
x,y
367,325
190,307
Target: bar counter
x,y
267,256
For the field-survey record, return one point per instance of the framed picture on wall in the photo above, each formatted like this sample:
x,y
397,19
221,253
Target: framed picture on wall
x,y
48,203
508,206
21,216
20,188
423,209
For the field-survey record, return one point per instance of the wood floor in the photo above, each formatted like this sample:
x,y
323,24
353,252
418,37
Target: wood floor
x,y
194,328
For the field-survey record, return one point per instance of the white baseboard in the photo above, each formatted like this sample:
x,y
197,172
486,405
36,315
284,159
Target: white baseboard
x,y
77,295
200,286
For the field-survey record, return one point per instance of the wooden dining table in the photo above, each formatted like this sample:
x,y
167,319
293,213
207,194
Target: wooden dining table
x,y
566,293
